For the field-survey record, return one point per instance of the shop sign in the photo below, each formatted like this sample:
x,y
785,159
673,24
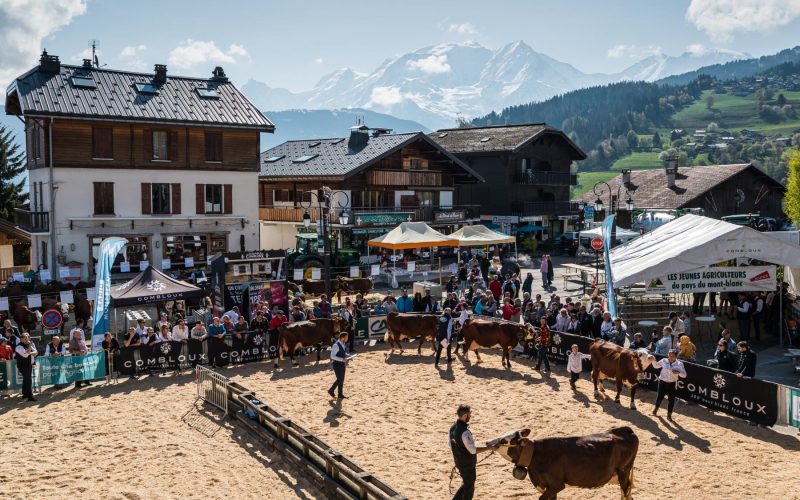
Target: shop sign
x,y
369,219
371,230
716,279
505,219
449,215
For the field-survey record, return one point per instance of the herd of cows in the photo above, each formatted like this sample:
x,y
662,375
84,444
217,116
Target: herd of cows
x,y
27,318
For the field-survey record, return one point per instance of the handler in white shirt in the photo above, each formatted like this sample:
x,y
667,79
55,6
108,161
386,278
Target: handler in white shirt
x,y
672,369
575,364
339,359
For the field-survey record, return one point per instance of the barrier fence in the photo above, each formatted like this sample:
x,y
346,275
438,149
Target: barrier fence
x,y
56,370
333,472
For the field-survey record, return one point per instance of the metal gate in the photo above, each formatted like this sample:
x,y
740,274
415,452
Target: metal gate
x,y
212,387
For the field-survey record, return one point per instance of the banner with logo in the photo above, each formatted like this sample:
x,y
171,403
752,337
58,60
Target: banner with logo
x,y
161,356
789,400
4,369
716,279
371,326
109,248
253,293
62,370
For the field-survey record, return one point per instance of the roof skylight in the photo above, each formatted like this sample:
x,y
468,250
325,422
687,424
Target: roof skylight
x,y
304,158
208,93
83,82
443,135
314,144
146,88
486,139
273,159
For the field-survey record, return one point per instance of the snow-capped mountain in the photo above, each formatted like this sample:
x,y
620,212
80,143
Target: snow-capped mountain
x,y
436,84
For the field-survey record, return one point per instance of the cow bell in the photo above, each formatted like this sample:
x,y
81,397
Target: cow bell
x,y
519,472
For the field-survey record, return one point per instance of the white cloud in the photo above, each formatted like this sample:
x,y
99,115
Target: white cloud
x,y
133,50
432,64
623,51
23,26
191,53
463,29
318,60
721,19
131,57
386,96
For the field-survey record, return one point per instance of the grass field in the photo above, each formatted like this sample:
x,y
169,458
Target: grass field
x,y
587,180
637,161
734,113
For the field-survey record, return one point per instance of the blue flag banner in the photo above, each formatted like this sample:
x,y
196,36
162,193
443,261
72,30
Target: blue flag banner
x,y
608,230
109,248
62,370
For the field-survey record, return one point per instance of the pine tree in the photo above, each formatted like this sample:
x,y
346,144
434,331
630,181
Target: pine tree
x,y
12,166
791,199
657,141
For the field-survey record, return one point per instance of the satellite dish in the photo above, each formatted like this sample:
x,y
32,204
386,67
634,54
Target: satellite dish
x,y
739,196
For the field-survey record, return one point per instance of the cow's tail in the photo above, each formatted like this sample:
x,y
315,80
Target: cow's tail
x,y
628,495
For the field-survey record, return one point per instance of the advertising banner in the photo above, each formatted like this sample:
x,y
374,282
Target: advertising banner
x,y
62,370
371,326
4,368
253,293
716,279
793,406
109,248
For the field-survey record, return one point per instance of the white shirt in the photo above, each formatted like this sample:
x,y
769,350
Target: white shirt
x,y
574,359
60,349
141,330
180,333
23,351
76,329
233,315
463,317
339,352
562,323
759,304
666,370
196,334
469,442
163,338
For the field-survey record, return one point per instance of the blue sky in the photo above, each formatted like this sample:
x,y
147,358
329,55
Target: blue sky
x,y
292,43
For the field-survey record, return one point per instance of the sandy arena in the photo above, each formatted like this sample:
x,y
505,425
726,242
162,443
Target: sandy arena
x,y
133,440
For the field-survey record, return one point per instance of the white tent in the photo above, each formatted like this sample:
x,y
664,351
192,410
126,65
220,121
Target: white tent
x,y
621,234
693,241
412,235
479,236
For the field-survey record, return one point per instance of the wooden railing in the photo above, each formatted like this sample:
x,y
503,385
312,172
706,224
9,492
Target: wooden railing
x,y
7,272
377,177
32,222
287,214
418,214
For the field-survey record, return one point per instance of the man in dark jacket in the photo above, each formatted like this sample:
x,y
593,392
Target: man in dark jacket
x,y
465,452
585,319
746,363
444,333
726,360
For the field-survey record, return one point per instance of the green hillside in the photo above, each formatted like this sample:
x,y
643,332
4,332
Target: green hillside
x,y
587,180
732,112
638,161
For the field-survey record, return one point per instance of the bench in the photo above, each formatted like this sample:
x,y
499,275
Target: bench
x,y
569,276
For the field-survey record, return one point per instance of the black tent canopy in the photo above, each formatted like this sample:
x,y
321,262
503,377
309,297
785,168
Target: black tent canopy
x,y
151,285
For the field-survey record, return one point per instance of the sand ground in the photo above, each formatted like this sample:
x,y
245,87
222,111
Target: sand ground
x,y
136,440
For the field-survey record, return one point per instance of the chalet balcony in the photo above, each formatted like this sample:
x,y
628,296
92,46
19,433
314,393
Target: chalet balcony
x,y
547,178
544,208
408,178
377,215
32,222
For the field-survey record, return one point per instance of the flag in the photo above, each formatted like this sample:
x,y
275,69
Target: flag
x,y
109,248
608,233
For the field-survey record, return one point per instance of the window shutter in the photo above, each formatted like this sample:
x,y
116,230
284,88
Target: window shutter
x,y
102,145
227,199
147,145
176,198
108,196
147,202
266,197
173,146
200,199
98,198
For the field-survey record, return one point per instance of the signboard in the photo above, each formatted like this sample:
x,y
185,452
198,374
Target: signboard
x,y
188,262
716,279
34,300
217,270
371,326
297,274
252,294
67,297
3,303
371,230
597,243
316,273
588,212
376,219
63,272
374,270
51,319
793,403
505,219
62,370
143,265
166,264
90,295
124,267
354,272
44,275
411,266
449,215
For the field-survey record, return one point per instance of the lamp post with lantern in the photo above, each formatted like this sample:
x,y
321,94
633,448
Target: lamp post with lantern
x,y
598,203
325,198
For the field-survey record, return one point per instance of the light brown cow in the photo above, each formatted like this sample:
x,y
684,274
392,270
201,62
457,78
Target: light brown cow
x,y
612,361
490,333
409,326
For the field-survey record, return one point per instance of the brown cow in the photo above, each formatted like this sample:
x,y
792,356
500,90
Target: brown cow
x,y
352,285
25,318
317,332
488,333
612,361
409,326
313,287
584,461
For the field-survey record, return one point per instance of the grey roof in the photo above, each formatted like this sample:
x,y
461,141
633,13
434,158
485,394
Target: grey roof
x,y
507,138
115,98
334,159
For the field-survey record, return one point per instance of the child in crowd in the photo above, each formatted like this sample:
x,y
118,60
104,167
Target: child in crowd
x,y
575,364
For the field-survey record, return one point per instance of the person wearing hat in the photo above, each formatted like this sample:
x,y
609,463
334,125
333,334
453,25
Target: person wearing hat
x,y
55,347
465,452
443,337
339,360
260,324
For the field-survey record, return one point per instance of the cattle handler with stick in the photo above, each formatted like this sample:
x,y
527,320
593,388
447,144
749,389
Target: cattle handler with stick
x,y
465,453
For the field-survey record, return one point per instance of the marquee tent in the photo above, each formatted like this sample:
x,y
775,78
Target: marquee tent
x,y
621,234
693,241
149,286
412,235
479,236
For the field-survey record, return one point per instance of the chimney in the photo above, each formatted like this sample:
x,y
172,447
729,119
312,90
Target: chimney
x,y
359,137
218,75
671,171
87,64
626,176
160,73
48,63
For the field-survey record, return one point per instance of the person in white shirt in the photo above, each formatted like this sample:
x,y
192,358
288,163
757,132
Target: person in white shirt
x,y
575,364
562,321
339,359
164,335
233,314
141,329
55,347
180,331
77,328
465,452
672,369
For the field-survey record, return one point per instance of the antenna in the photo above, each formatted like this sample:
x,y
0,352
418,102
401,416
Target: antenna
x,y
94,44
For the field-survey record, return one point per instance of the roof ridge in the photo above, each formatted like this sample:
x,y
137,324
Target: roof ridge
x,y
540,124
138,73
345,137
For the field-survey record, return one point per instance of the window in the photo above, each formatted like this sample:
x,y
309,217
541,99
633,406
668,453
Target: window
x,y
373,199
160,198
160,145
314,144
264,195
83,82
208,93
213,199
102,143
337,141
104,198
304,158
284,195
146,88
443,135
214,146
136,251
37,140
273,159
415,163
486,139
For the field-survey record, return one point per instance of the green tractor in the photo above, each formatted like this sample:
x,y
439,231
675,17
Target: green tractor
x,y
307,255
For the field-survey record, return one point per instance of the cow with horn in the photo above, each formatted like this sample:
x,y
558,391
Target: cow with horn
x,y
625,366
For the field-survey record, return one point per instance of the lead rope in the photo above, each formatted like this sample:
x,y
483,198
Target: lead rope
x,y
453,470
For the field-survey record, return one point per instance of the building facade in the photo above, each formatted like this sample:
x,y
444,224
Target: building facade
x,y
167,162
531,165
380,179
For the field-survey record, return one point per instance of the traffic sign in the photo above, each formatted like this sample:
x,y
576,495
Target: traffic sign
x,y
51,319
597,243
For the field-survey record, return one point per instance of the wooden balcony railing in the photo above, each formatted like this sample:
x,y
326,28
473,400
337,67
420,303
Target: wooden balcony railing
x,y
32,222
425,214
432,178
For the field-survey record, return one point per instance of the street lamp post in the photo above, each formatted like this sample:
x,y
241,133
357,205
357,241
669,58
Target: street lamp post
x,y
598,203
324,199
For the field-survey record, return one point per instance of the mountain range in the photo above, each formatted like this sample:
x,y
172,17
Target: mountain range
x,y
435,85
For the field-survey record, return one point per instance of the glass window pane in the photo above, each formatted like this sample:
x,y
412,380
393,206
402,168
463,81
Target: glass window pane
x,y
160,145
161,200
213,198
